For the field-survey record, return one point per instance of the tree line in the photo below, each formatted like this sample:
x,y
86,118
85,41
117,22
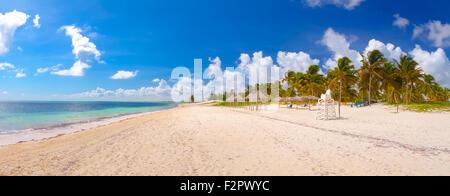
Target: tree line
x,y
378,79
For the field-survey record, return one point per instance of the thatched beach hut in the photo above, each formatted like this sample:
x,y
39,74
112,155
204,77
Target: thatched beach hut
x,y
235,99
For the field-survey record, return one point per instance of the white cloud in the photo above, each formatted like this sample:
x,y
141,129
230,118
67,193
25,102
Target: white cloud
x,y
120,75
435,63
76,70
400,22
438,33
234,80
214,73
9,22
299,62
4,66
36,21
389,50
338,44
5,92
83,48
257,68
347,4
156,80
229,79
214,70
258,60
158,93
42,70
20,49
181,91
20,74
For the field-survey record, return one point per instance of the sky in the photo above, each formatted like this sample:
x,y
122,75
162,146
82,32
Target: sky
x,y
116,50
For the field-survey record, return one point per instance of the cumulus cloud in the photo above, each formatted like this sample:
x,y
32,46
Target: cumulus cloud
x,y
156,80
121,75
299,62
36,21
347,4
400,22
214,73
389,50
76,70
258,68
4,66
158,93
83,49
5,92
214,69
234,81
9,22
437,32
435,63
340,47
182,90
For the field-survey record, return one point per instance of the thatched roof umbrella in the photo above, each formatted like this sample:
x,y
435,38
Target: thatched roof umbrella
x,y
285,99
297,99
309,98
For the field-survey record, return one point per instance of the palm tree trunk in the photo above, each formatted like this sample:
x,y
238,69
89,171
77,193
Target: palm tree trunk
x,y
370,88
340,96
403,94
407,90
410,91
396,102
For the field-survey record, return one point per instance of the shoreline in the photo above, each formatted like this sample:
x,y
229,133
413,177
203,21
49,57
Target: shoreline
x,y
42,133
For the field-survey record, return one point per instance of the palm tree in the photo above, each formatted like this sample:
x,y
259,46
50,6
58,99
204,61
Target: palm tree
x,y
389,79
295,80
343,73
429,87
313,80
411,74
372,67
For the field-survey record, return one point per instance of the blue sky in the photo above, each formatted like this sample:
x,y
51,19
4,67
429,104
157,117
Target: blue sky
x,y
150,38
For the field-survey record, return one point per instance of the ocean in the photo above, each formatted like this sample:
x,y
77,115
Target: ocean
x,y
32,115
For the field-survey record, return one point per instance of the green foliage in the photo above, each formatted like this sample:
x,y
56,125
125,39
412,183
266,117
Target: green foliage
x,y
309,83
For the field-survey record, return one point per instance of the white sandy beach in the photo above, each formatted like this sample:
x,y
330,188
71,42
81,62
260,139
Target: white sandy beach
x,y
209,140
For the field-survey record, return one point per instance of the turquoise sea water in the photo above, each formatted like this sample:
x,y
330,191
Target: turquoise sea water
x,y
15,116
